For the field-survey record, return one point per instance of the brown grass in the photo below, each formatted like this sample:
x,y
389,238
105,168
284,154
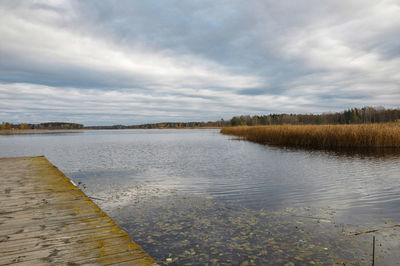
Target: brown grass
x,y
383,135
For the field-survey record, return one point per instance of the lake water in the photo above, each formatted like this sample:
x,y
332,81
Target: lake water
x,y
196,196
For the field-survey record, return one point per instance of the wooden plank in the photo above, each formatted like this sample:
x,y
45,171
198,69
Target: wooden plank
x,y
69,225
39,243
47,220
50,221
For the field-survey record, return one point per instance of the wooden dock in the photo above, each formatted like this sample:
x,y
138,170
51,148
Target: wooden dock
x,y
47,220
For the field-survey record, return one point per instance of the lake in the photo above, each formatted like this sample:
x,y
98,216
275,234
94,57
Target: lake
x,y
196,196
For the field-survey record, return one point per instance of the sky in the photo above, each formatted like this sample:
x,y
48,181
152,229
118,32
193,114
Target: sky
x,y
131,62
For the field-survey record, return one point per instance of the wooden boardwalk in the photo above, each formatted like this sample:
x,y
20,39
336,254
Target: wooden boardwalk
x,y
46,220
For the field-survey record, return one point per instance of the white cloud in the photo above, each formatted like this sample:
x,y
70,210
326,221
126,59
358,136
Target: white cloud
x,y
122,62
128,105
344,63
43,43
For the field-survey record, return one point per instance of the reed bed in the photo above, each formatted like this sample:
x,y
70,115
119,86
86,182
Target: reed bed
x,y
364,136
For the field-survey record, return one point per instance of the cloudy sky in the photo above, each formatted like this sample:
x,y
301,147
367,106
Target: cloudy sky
x,y
108,62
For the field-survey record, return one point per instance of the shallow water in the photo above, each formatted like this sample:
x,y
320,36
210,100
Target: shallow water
x,y
192,196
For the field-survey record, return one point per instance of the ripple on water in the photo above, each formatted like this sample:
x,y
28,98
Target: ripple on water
x,y
229,199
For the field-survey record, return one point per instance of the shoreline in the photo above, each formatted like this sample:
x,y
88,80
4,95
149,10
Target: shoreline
x,y
322,137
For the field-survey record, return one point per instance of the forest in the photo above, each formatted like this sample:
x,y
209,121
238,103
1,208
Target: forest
x,y
42,126
365,115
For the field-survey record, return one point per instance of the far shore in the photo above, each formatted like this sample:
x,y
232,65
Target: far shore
x,y
82,129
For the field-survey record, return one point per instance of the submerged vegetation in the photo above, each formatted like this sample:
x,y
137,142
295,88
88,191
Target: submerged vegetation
x,y
381,135
194,230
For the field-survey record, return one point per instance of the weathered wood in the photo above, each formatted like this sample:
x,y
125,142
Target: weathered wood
x,y
47,220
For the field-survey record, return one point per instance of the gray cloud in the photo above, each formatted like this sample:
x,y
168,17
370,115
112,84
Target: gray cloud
x,y
146,61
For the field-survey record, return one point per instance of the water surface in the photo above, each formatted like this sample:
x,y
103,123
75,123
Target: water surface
x,y
192,196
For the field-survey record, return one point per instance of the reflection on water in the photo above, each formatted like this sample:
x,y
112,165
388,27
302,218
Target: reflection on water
x,y
195,195
36,132
362,152
378,153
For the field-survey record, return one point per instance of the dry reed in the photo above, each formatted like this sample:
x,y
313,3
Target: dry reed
x,y
382,135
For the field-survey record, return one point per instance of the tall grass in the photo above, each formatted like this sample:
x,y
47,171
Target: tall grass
x,y
383,135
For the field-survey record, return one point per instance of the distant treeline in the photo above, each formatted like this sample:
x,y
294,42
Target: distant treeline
x,y
363,115
220,123
50,125
351,116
